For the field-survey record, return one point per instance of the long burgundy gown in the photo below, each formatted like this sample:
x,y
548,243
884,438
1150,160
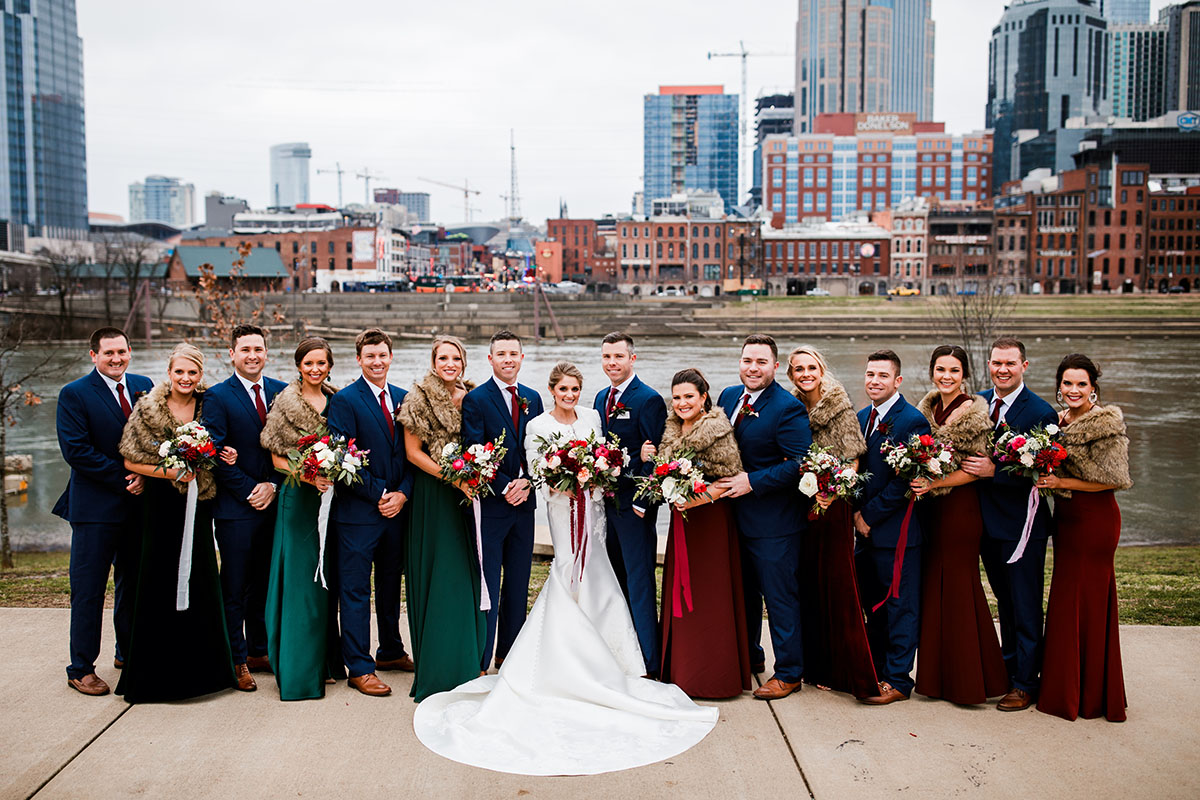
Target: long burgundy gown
x,y
1081,668
705,649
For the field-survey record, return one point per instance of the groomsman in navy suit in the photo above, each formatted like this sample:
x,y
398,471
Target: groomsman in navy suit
x,y
893,630
501,405
235,411
771,427
367,518
635,413
1003,502
100,501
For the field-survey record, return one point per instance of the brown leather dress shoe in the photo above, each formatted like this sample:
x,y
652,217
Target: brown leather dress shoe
x,y
887,694
258,663
1015,700
776,689
90,684
403,664
245,681
118,664
370,684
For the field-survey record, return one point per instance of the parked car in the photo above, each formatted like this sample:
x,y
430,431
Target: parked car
x,y
904,291
817,291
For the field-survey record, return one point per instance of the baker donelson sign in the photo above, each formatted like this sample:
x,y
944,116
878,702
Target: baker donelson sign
x,y
884,123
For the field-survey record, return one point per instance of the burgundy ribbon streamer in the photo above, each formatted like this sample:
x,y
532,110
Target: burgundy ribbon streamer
x,y
681,582
898,562
579,528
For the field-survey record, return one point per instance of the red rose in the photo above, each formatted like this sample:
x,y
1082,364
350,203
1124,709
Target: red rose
x,y
662,469
926,440
489,447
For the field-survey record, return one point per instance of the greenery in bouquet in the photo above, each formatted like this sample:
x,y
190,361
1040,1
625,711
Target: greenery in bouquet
x,y
574,465
824,474
472,467
1030,455
188,448
677,480
326,455
922,456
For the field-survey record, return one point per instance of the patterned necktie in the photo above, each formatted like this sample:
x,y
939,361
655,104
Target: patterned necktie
x,y
516,407
874,415
742,413
612,403
387,415
996,412
125,407
258,403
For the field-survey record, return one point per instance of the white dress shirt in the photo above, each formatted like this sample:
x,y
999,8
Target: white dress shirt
x,y
112,387
249,385
753,399
1005,402
882,410
620,388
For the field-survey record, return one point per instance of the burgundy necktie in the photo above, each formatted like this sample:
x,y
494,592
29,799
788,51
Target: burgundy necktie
x,y
874,415
742,411
516,408
128,409
996,412
387,416
612,402
258,403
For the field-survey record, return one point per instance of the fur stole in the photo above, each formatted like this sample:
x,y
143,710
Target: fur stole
x,y
428,412
711,439
833,422
150,424
969,430
1097,448
291,419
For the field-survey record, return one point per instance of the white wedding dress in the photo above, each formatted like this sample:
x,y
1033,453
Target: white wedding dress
x,y
569,699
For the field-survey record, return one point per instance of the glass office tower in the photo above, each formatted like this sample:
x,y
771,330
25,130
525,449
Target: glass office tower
x,y
691,142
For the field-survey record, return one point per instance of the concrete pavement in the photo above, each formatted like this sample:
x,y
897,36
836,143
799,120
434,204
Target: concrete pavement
x,y
55,743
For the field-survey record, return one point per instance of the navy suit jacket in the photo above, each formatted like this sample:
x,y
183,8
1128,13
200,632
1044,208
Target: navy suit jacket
x,y
485,416
883,500
232,419
1003,500
644,418
354,412
89,423
772,445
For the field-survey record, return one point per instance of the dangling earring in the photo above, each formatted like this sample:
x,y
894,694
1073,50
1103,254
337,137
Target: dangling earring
x,y
1093,397
1058,397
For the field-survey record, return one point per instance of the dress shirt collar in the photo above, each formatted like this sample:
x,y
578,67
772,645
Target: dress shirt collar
x,y
883,408
623,386
112,385
1007,401
249,385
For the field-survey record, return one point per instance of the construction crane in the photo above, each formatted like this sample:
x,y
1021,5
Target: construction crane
x,y
337,170
744,174
465,189
366,176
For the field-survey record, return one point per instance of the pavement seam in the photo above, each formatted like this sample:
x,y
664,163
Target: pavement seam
x,y
787,743
77,753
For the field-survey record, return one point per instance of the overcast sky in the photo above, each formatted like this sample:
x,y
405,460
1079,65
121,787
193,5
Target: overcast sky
x,y
411,90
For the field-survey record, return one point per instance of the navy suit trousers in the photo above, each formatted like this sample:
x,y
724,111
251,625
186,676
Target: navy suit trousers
x,y
508,543
1018,588
96,546
769,572
636,541
245,546
893,630
359,547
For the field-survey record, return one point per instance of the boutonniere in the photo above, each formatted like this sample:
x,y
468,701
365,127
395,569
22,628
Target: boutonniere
x,y
883,428
747,411
139,395
619,411
523,404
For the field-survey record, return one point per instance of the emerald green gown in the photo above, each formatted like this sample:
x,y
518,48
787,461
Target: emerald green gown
x,y
447,628
302,628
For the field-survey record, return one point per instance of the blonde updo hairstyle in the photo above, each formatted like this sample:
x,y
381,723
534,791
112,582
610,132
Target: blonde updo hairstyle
x,y
565,369
191,353
442,339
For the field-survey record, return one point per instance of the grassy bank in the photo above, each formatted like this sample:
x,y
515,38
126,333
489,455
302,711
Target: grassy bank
x,y
1155,585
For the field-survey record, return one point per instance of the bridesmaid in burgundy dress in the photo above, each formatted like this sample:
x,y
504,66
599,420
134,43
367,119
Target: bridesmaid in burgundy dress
x,y
836,653
705,650
1081,669
960,658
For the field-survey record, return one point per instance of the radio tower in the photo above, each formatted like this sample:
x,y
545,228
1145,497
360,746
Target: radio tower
x,y
514,199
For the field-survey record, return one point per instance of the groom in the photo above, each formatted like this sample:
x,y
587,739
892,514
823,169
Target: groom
x,y
503,406
636,414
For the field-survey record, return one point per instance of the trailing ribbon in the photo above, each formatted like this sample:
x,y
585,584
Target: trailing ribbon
x,y
1030,516
898,561
322,532
185,549
579,535
681,583
485,599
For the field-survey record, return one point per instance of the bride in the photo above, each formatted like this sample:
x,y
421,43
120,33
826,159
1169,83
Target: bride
x,y
570,698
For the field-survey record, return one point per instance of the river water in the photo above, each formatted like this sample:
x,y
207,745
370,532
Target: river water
x,y
1153,381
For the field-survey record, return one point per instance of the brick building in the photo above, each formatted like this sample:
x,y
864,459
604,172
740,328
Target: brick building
x,y
960,250
691,256
581,246
844,258
345,254
909,224
1173,240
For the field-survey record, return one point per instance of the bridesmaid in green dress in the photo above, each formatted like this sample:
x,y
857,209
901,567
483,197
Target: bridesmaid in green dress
x,y
448,629
302,629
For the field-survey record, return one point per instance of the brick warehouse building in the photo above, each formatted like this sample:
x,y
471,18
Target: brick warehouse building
x,y
306,253
1173,240
689,255
581,246
843,258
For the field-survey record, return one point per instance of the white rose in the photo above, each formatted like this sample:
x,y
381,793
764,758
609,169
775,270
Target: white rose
x,y
350,468
163,449
601,464
449,449
616,471
668,487
1052,429
945,456
848,473
935,467
1027,460
685,465
808,484
475,450
584,476
554,463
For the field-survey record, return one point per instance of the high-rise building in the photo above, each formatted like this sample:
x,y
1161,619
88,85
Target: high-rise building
x,y
863,56
416,203
43,153
289,174
163,199
1137,68
691,142
1047,62
774,115
1127,12
1183,55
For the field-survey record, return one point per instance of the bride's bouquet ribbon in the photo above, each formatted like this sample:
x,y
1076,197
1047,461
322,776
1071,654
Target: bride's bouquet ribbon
x,y
183,580
485,599
322,534
579,534
1030,515
681,581
898,561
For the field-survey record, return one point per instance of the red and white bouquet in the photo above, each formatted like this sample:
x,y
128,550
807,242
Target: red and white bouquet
x,y
188,448
822,473
579,465
675,480
1030,455
327,455
922,456
473,467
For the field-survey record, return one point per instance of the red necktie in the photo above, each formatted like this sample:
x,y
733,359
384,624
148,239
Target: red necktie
x,y
874,415
996,412
516,407
742,411
258,403
128,409
612,402
387,416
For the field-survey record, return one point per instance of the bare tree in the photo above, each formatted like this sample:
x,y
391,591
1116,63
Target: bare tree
x,y
976,313
137,259
227,302
64,263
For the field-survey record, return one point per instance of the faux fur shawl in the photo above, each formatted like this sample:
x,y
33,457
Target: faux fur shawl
x,y
150,424
1097,448
833,421
711,439
969,430
429,413
291,419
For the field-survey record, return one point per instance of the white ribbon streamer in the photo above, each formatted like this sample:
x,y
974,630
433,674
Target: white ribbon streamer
x,y
185,550
322,532
1030,515
485,600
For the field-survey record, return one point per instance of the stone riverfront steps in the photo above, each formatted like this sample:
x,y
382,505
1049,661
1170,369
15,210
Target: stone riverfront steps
x,y
56,743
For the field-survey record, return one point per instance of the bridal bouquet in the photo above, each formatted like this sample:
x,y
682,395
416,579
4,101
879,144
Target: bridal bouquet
x,y
824,474
474,466
1030,455
335,458
922,456
579,465
188,448
675,480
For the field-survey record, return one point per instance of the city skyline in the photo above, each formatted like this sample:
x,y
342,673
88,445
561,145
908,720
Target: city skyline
x,y
222,95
